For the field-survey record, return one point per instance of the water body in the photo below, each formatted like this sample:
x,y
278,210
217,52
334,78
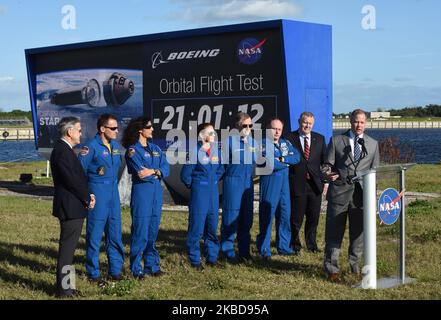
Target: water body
x,y
424,142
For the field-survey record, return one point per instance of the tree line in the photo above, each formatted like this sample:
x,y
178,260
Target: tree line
x,y
16,114
431,110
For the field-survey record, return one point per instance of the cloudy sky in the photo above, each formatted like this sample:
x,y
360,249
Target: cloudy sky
x,y
388,60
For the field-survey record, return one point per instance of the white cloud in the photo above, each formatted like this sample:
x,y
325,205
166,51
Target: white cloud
x,y
236,10
3,10
403,79
6,79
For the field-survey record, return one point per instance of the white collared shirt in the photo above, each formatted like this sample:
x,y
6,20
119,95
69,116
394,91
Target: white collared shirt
x,y
351,140
302,140
67,143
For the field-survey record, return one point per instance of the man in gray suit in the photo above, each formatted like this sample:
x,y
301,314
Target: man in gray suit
x,y
348,153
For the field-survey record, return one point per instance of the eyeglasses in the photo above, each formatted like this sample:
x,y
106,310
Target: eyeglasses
x,y
111,128
79,130
247,126
149,126
211,133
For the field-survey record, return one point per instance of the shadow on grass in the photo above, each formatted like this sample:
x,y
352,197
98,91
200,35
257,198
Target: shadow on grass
x,y
7,255
31,284
28,188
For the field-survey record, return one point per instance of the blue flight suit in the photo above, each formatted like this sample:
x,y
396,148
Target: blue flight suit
x,y
101,166
238,196
201,174
275,199
146,206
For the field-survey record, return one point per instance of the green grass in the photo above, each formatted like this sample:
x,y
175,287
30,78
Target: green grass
x,y
29,242
11,171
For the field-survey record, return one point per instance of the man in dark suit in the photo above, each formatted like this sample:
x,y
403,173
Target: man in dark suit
x,y
348,153
305,183
71,201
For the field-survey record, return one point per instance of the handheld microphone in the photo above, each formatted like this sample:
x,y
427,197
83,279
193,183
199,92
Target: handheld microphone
x,y
363,148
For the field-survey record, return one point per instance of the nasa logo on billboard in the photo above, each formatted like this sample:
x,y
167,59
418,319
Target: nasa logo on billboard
x,y
250,50
389,206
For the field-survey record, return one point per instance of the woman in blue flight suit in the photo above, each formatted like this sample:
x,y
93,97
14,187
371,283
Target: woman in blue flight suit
x,y
274,193
201,174
148,166
238,192
101,159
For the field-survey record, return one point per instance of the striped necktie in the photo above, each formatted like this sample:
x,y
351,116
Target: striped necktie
x,y
306,148
306,154
357,151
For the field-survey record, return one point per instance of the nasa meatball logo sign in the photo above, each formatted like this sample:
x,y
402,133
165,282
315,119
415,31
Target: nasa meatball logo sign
x,y
389,206
250,50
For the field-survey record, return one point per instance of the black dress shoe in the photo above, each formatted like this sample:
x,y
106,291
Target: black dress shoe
x,y
296,252
100,282
197,267
210,263
245,259
115,278
69,294
157,274
139,276
232,260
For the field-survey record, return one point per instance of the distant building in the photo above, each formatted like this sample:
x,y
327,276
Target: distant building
x,y
380,115
15,122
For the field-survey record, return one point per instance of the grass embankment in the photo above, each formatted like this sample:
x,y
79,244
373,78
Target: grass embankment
x,y
28,248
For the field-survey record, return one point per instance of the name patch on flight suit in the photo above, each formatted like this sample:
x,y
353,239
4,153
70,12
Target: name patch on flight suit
x,y
115,151
101,171
155,153
131,152
84,151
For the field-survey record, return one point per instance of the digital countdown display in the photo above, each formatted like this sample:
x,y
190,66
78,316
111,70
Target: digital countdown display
x,y
211,79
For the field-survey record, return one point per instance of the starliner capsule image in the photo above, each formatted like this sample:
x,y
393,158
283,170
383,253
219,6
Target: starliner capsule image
x,y
90,94
117,89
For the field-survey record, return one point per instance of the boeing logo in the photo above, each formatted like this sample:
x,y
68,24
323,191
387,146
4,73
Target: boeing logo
x,y
157,58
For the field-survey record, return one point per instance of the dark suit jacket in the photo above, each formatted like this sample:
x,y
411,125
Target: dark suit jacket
x,y
297,173
71,196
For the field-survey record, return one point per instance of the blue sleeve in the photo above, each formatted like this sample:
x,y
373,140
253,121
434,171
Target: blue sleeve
x,y
134,162
164,166
220,168
186,174
293,156
277,165
85,156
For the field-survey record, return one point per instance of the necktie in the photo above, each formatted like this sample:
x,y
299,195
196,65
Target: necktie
x,y
357,151
306,153
306,148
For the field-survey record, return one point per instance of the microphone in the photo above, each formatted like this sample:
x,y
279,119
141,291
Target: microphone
x,y
363,147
